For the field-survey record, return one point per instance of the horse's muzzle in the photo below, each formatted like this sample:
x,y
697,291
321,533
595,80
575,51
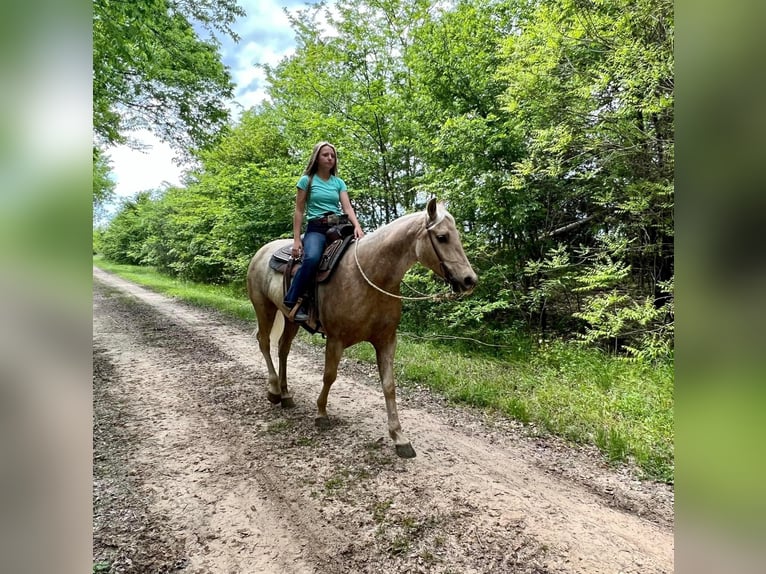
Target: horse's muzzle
x,y
462,285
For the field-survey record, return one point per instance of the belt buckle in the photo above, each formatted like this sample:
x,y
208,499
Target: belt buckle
x,y
332,219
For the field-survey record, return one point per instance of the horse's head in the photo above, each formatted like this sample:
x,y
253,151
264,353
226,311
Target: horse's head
x,y
440,250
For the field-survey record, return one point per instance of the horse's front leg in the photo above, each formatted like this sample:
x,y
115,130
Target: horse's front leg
x,y
385,355
285,342
332,354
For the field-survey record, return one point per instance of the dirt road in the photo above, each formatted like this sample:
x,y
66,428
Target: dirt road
x,y
195,471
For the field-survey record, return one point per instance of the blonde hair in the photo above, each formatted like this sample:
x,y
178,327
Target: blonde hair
x,y
311,168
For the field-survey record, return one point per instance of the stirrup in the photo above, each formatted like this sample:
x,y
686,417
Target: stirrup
x,y
295,309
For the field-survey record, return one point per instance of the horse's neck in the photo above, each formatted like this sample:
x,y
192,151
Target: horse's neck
x,y
390,251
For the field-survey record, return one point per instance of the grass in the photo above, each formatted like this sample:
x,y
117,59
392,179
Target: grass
x,y
278,427
583,395
227,298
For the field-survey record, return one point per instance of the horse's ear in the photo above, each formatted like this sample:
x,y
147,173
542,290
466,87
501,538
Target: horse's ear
x,y
431,209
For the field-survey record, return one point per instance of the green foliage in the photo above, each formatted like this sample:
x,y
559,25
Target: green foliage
x,y
151,70
547,127
352,87
591,87
596,288
124,240
240,198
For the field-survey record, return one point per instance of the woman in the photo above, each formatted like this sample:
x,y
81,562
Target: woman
x,y
321,195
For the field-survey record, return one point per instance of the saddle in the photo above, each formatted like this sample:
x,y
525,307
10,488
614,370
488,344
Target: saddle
x,y
339,238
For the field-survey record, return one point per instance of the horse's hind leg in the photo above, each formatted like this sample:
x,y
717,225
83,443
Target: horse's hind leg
x,y
285,342
332,355
385,355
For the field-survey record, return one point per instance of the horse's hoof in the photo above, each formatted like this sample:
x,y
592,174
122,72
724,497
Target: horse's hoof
x,y
274,399
322,423
288,403
405,451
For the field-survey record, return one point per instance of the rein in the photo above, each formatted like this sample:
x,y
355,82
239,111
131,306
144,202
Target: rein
x,y
423,298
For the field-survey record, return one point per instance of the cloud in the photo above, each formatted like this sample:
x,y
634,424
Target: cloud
x,y
135,171
265,38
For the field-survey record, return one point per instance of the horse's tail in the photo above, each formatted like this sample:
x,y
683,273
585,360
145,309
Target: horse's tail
x,y
264,291
276,330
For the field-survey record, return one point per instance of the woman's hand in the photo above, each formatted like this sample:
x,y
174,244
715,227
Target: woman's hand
x,y
297,248
349,210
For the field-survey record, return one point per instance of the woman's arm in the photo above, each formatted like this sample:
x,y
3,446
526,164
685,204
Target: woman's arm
x,y
349,210
300,208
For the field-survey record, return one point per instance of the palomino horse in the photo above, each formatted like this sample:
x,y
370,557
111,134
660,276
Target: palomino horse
x,y
360,301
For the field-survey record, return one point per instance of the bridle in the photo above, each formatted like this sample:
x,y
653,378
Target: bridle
x,y
445,272
447,275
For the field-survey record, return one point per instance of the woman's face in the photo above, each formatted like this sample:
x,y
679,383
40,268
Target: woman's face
x,y
327,157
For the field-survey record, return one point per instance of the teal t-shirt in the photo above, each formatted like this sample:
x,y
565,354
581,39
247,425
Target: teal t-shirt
x,y
324,195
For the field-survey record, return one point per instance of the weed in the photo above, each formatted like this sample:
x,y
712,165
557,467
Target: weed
x,y
399,545
363,474
279,426
409,524
379,510
613,443
334,483
516,408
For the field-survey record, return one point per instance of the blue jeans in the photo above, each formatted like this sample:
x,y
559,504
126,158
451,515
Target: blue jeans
x,y
314,241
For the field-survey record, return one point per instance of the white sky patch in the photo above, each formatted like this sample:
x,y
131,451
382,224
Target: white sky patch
x,y
265,38
134,170
249,77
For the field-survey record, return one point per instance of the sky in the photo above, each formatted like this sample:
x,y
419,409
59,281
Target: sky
x,y
265,38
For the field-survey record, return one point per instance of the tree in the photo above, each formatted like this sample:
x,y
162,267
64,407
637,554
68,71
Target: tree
x,y
239,198
125,238
350,85
591,86
548,127
468,142
151,70
103,185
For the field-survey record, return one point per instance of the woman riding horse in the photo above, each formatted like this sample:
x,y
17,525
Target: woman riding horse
x,y
321,194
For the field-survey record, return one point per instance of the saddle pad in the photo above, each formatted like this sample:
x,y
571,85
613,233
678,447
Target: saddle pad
x,y
280,258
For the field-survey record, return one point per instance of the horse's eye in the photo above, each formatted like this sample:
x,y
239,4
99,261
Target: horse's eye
x,y
442,238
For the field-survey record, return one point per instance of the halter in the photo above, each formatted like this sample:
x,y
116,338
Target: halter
x,y
447,275
443,268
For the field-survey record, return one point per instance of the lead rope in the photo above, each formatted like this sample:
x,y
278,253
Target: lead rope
x,y
371,284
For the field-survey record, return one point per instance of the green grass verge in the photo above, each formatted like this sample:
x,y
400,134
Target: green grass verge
x,y
583,395
230,299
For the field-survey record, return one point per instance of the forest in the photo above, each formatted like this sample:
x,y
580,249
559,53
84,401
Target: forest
x,y
546,126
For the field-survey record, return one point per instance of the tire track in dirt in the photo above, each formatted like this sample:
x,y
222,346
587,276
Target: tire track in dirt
x,y
250,487
185,461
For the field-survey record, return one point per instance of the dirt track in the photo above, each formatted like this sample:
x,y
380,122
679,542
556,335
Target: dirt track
x,y
195,471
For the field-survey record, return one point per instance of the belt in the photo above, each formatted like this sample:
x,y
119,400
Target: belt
x,y
330,219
